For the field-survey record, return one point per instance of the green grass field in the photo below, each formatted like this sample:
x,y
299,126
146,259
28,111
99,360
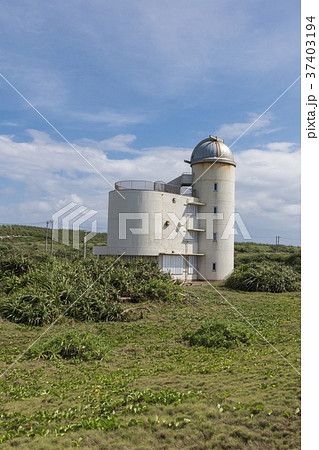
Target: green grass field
x,y
151,388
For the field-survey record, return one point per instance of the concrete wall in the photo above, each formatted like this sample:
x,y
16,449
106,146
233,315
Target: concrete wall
x,y
164,214
220,252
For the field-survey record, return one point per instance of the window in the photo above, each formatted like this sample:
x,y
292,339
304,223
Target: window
x,y
192,236
215,187
214,267
192,210
215,209
214,237
173,264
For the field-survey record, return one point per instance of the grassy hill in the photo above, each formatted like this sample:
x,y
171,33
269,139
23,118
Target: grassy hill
x,y
248,252
144,379
31,241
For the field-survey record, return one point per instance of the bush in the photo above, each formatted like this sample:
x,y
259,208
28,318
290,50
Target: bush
x,y
294,261
219,334
271,277
83,289
17,265
158,290
31,307
95,309
83,346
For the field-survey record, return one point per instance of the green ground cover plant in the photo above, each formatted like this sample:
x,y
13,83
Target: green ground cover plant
x,y
219,334
145,387
70,345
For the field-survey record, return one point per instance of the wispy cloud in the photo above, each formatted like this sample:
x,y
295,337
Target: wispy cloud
x,y
44,86
7,123
281,146
120,143
110,118
158,48
267,186
233,130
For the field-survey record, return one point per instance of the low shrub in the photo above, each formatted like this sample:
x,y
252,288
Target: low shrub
x,y
271,277
85,290
95,309
294,261
72,345
35,307
17,265
31,307
157,290
219,334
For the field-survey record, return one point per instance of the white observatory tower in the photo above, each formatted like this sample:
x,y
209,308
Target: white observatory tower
x,y
186,225
213,170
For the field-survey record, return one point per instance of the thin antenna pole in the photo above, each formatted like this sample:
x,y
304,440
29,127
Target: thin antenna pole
x,y
46,236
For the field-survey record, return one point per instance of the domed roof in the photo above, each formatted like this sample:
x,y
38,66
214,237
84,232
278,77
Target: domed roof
x,y
212,149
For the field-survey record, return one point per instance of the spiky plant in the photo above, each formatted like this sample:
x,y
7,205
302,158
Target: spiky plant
x,y
270,277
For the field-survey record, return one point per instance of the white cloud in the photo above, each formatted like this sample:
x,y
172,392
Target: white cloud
x,y
280,146
119,143
268,189
256,125
53,173
7,123
267,179
110,118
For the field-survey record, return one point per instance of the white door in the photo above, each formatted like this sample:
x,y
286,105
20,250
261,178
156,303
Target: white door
x,y
173,264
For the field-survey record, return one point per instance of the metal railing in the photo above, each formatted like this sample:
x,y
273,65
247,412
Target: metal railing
x,y
143,185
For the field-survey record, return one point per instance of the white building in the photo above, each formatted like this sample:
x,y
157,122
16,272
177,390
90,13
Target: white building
x,y
185,224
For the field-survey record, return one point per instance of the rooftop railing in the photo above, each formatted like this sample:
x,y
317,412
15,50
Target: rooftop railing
x,y
143,185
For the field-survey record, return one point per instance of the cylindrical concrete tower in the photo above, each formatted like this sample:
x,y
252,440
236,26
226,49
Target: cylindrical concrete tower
x,y
213,169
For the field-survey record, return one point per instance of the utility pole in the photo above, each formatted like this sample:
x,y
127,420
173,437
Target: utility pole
x,y
46,236
51,250
277,242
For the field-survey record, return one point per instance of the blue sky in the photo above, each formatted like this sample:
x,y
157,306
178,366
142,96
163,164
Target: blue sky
x,y
134,86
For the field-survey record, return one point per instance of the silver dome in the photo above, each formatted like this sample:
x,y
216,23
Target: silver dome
x,y
212,149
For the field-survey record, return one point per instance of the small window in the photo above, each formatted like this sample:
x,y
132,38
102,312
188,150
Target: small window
x,y
173,264
215,210
215,187
214,237
214,267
